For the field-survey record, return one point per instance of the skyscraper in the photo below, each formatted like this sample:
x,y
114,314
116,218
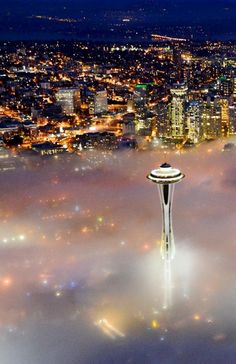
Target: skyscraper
x,y
234,88
100,102
232,119
211,117
194,125
163,125
225,87
141,108
177,110
166,177
225,123
141,97
68,99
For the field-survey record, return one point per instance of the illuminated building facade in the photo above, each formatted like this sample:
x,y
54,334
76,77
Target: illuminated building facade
x,y
166,177
140,97
48,148
163,125
234,89
232,119
141,106
225,116
100,102
69,100
194,125
130,106
100,141
225,87
211,117
129,123
177,110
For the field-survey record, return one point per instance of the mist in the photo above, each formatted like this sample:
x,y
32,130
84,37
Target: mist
x,y
81,277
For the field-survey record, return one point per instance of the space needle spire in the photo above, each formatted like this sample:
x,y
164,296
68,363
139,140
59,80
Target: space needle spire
x,y
166,177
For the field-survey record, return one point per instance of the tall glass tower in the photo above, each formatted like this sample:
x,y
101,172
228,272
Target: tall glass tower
x,y
166,177
177,110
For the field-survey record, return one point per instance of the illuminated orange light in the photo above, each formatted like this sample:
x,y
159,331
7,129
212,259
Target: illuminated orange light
x,y
155,324
197,317
85,230
6,282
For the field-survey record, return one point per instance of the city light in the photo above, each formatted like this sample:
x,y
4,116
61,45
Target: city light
x,y
95,267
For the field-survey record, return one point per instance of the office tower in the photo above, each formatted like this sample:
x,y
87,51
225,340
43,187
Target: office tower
x,y
211,117
140,105
141,98
129,123
163,124
130,106
145,119
225,87
232,119
178,62
187,68
224,105
166,177
177,108
68,99
234,88
146,124
100,102
194,125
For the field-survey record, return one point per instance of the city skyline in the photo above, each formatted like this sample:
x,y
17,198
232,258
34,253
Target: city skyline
x,y
103,106
78,96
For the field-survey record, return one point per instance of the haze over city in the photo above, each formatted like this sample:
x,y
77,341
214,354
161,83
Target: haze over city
x,y
80,244
118,182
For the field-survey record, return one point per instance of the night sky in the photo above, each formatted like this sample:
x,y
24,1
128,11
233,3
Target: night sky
x,y
102,20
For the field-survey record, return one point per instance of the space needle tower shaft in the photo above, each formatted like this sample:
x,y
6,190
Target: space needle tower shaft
x,y
166,177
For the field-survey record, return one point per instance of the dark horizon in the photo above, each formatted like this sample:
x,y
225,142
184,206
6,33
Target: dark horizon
x,y
132,20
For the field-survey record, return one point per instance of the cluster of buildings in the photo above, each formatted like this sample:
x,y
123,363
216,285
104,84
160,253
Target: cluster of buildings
x,y
74,96
192,119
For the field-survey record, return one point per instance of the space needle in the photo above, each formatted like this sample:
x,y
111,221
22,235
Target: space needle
x,y
166,177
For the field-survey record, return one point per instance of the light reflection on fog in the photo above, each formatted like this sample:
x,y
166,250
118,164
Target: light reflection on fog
x,y
81,279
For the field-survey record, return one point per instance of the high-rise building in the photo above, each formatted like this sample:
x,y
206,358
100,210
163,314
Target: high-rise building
x,y
232,119
100,102
129,124
163,124
177,108
211,117
225,86
187,71
234,88
194,124
145,120
224,105
68,99
166,177
130,106
141,98
146,123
